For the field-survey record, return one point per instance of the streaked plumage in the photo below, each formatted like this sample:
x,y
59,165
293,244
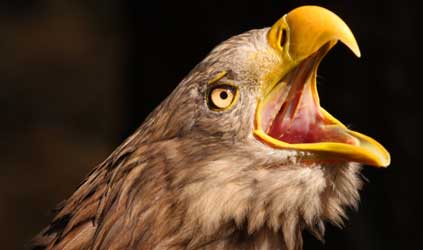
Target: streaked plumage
x,y
195,178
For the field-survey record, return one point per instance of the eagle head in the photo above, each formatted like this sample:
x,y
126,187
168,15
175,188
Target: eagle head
x,y
240,156
263,153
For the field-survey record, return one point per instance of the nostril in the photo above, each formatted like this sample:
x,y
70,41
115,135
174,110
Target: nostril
x,y
283,38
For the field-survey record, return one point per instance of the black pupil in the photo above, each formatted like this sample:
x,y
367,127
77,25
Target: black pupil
x,y
223,95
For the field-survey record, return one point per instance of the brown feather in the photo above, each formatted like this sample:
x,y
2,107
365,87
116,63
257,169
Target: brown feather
x,y
190,178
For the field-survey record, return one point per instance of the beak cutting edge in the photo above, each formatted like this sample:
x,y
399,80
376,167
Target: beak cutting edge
x,y
289,115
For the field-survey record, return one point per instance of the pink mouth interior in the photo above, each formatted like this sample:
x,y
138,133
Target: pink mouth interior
x,y
299,119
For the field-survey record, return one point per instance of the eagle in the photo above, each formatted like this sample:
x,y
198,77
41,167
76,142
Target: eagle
x,y
239,156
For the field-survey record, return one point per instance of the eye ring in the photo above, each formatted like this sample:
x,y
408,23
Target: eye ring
x,y
221,96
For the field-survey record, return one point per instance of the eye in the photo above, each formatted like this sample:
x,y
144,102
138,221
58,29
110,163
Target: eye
x,y
221,97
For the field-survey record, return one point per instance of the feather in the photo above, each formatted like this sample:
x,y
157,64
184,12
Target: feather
x,y
192,178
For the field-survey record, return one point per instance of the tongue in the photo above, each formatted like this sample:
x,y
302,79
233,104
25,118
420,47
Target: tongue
x,y
300,121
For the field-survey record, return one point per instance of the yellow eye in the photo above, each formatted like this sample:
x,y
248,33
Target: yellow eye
x,y
221,96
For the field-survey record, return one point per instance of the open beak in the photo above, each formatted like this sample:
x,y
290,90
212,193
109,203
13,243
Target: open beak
x,y
289,115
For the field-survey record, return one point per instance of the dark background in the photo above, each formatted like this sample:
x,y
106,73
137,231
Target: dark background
x,y
77,77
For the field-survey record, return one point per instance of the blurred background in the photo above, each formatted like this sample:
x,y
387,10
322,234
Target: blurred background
x,y
78,76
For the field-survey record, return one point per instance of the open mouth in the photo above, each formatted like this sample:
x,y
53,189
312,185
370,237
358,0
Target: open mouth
x,y
290,117
295,116
288,114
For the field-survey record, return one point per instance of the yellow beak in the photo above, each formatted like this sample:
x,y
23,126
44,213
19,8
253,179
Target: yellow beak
x,y
289,115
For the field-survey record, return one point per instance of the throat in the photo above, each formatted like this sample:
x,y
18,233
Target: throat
x,y
299,119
